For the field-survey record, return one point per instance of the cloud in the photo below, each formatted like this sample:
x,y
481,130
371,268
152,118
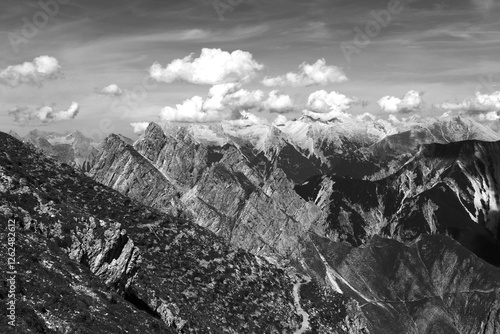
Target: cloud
x,y
139,127
231,96
316,74
280,120
31,73
279,103
411,102
112,90
324,106
323,102
223,101
226,102
213,67
247,119
490,116
43,114
480,104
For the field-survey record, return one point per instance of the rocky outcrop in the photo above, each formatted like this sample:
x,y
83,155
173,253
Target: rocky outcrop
x,y
55,294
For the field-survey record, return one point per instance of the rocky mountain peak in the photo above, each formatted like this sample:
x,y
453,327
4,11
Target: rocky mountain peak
x,y
154,130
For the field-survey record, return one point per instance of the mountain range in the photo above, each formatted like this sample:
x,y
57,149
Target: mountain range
x,y
72,148
299,226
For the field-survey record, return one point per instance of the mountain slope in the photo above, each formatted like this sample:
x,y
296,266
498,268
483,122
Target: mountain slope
x,y
431,286
165,268
448,189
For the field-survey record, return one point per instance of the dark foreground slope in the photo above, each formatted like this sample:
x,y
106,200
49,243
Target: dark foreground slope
x,y
92,261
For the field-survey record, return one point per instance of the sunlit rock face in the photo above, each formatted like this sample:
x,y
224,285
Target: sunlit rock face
x,y
227,190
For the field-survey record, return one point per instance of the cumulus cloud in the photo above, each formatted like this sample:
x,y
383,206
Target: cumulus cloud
x,y
31,73
112,90
212,67
490,116
325,106
43,114
223,101
480,104
308,75
247,119
279,103
226,102
139,127
280,120
323,102
411,102
231,96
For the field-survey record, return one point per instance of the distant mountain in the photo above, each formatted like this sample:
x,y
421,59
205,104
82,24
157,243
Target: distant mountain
x,y
397,148
343,146
72,148
15,135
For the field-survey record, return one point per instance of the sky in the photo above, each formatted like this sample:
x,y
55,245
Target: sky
x,y
98,66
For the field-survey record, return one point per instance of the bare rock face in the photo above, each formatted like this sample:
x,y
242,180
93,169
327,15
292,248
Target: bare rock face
x,y
114,257
125,170
176,155
250,205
